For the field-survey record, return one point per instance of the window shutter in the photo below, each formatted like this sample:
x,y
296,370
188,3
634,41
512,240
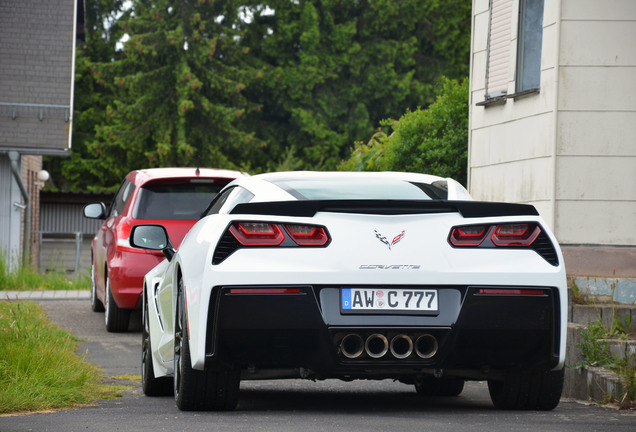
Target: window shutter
x,y
498,48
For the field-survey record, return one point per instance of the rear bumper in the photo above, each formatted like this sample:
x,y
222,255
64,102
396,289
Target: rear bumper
x,y
474,334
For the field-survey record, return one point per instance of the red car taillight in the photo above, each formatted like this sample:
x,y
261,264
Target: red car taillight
x,y
122,240
122,237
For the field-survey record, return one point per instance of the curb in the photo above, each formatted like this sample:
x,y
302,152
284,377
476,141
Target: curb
x,y
45,295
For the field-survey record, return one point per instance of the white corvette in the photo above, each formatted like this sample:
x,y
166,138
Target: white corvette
x,y
355,276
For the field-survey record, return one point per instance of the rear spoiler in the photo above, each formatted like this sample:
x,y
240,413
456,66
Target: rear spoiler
x,y
308,208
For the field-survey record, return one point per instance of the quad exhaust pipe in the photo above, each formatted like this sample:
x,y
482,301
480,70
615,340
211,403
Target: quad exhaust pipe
x,y
401,346
426,346
376,346
352,346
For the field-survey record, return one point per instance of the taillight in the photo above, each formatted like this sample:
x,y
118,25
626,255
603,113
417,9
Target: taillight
x,y
257,233
510,234
247,234
515,234
521,235
122,234
122,240
470,235
307,235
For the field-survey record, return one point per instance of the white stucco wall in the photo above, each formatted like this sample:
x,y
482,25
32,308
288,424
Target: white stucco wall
x,y
571,149
596,135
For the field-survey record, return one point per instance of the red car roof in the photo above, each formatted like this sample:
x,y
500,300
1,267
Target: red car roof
x,y
142,176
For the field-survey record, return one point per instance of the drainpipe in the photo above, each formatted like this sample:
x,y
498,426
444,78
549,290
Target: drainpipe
x,y
14,157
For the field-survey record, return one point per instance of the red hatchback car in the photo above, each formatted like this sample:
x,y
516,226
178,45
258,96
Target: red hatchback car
x,y
172,197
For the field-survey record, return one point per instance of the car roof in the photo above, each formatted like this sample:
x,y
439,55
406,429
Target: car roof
x,y
143,176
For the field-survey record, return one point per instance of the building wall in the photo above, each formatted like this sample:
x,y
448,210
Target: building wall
x,y
512,145
570,150
10,215
596,171
65,235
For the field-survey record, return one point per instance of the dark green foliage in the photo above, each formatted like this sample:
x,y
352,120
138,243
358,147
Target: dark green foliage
x,y
432,140
254,85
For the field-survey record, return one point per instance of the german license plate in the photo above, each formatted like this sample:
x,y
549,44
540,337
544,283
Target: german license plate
x,y
388,300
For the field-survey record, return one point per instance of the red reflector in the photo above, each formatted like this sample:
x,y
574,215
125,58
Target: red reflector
x,y
265,291
498,291
307,235
471,235
515,234
257,233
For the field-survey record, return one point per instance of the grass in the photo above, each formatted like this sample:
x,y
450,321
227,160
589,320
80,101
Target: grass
x,y
39,369
30,279
595,352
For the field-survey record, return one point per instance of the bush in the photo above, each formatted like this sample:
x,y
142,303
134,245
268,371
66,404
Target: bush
x,y
431,141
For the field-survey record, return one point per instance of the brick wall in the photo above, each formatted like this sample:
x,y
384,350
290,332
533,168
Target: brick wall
x,y
31,165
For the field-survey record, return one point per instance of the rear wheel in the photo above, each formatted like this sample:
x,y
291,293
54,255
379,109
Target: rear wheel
x,y
533,390
115,318
96,304
194,390
430,386
152,386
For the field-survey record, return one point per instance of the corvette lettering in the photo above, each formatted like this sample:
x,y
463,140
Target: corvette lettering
x,y
389,267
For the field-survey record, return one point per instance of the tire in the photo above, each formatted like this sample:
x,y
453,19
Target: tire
x,y
534,390
96,304
430,386
194,390
151,386
115,318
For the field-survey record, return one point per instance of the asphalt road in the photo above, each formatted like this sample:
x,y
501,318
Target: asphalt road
x,y
291,405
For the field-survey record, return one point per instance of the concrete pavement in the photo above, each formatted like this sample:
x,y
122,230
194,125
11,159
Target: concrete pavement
x,y
45,295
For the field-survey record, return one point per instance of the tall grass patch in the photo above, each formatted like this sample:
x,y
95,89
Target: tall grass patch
x,y
39,369
27,278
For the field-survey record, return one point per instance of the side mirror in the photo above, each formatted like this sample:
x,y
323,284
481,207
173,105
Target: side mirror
x,y
152,237
95,211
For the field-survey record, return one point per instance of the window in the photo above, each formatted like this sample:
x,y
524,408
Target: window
x,y
350,188
498,48
176,201
121,198
529,43
228,199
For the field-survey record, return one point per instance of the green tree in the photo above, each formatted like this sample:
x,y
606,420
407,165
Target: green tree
x,y
332,69
254,85
432,140
177,84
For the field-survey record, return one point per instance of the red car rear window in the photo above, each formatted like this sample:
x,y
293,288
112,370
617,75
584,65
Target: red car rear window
x,y
175,201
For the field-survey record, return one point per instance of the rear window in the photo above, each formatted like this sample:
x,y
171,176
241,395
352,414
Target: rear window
x,y
176,201
361,188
